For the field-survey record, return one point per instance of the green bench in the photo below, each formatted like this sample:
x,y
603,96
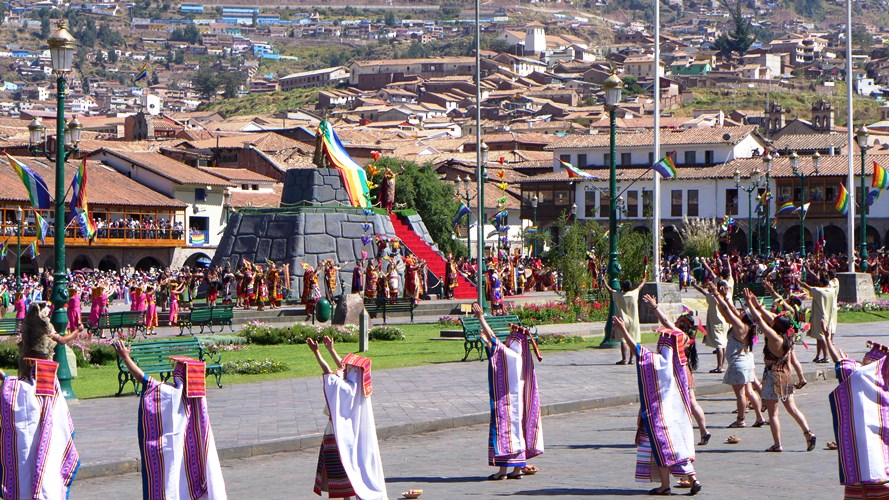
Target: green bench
x,y
385,306
207,317
153,357
10,326
126,324
472,331
758,289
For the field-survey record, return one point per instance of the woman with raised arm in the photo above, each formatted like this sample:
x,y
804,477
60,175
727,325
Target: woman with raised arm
x,y
740,371
717,327
349,463
688,360
516,431
777,381
822,308
665,437
793,306
626,303
858,406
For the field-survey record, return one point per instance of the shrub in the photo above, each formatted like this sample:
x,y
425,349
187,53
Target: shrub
x,y
558,312
9,354
873,306
264,334
556,339
94,352
700,237
251,366
448,321
385,333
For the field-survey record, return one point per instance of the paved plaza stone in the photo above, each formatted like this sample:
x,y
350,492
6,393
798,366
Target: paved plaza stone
x,y
286,415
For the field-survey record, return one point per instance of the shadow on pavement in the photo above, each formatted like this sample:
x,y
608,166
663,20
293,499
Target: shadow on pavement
x,y
435,480
593,446
577,492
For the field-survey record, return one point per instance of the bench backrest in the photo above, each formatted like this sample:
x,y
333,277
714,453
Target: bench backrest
x,y
223,312
9,326
500,324
199,314
158,353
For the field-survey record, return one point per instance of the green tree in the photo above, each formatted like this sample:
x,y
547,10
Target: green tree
x,y
739,40
569,255
112,56
631,85
390,19
231,82
419,188
206,81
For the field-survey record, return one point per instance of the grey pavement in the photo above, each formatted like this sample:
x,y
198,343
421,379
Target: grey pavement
x,y
286,415
589,453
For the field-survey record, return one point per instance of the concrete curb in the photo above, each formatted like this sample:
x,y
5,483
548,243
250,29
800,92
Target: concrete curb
x,y
299,443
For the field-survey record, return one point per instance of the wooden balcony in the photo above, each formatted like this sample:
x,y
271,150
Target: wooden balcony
x,y
115,238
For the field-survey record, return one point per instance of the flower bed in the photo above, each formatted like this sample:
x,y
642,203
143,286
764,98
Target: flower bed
x,y
251,366
874,306
558,339
580,311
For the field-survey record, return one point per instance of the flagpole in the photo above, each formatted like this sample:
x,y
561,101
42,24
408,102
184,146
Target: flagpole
x,y
656,184
850,179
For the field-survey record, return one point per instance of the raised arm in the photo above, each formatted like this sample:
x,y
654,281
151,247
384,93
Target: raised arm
x,y
618,323
749,298
328,343
124,352
313,346
644,279
651,302
64,339
485,330
727,310
835,354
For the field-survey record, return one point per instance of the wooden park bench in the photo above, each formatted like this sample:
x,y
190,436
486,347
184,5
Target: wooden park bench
x,y
153,357
385,306
125,324
472,331
758,289
207,317
10,326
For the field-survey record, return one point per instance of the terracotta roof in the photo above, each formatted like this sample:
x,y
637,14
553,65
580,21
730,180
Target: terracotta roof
x,y
265,141
262,199
237,174
709,135
803,142
430,60
176,171
105,186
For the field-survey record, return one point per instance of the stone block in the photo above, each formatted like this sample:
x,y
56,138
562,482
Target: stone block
x,y
245,244
668,298
249,224
320,244
262,249
856,287
323,194
279,229
314,224
278,250
295,245
353,230
348,310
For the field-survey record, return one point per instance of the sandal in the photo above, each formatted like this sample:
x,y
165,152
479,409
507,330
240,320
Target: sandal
x,y
810,441
658,491
622,362
737,424
705,439
497,476
695,488
733,439
760,423
831,445
514,475
717,370
801,384
774,449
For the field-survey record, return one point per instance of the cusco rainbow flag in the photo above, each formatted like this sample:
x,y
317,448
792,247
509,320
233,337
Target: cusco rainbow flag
x,y
665,167
842,203
79,204
38,193
354,178
785,208
881,179
574,172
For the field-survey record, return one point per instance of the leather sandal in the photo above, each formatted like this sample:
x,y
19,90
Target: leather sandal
x,y
660,492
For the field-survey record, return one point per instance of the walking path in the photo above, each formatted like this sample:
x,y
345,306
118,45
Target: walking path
x,y
287,415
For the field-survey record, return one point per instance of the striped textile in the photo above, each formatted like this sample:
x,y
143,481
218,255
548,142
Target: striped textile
x,y
860,410
532,423
507,444
866,492
665,414
44,375
38,193
331,475
363,364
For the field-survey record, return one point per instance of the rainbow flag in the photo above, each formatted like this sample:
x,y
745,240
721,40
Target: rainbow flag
x,y
842,203
786,208
143,72
881,178
79,205
38,193
461,212
3,250
665,167
354,177
42,227
574,172
872,196
33,248
198,238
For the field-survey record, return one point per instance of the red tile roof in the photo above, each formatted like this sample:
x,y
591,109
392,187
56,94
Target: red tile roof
x,y
176,171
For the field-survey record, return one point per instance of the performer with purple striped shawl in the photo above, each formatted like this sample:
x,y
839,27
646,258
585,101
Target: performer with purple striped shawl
x,y
665,437
38,459
516,431
860,408
179,459
349,463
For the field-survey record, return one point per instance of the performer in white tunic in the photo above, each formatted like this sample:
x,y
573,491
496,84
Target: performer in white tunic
x,y
179,459
626,304
349,463
823,298
38,459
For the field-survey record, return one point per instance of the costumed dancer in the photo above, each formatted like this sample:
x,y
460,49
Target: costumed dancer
x,y
717,327
495,291
175,290
858,406
451,279
39,459
73,307
822,309
178,451
311,289
349,463
626,303
393,280
98,304
228,279
665,437
372,277
262,289
516,429
249,289
358,277
212,288
151,321
273,282
387,190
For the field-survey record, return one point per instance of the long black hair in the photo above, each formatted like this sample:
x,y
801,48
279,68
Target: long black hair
x,y
687,325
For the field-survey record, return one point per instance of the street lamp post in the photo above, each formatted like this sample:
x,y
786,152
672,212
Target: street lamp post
x,y
768,204
613,86
861,136
534,202
18,253
482,177
754,185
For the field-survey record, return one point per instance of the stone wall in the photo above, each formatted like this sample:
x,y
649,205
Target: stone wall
x,y
317,186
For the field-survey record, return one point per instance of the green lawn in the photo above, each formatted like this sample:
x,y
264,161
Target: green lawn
x,y
863,317
421,347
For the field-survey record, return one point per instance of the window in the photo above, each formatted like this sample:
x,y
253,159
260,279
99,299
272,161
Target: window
x,y
626,159
646,203
708,157
228,158
607,159
651,157
676,203
581,161
731,201
255,187
692,202
632,203
200,194
691,157
590,204
604,204
565,158
561,198
245,187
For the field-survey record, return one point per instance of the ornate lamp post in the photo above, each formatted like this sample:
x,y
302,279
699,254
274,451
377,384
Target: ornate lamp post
x,y
767,159
534,201
613,86
754,185
464,184
794,162
482,174
861,136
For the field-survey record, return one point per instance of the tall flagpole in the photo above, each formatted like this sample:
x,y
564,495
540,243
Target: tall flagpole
x,y
656,186
850,181
479,161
